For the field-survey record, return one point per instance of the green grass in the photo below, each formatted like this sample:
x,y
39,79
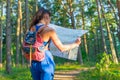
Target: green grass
x,y
65,64
68,66
23,73
16,74
113,73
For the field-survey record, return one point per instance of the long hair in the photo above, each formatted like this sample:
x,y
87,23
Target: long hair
x,y
39,16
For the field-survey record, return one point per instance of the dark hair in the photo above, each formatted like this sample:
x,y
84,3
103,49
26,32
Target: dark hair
x,y
39,16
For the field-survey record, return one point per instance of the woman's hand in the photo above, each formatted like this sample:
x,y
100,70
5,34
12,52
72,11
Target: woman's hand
x,y
78,41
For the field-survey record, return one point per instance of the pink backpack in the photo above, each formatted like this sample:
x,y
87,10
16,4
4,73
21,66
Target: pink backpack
x,y
33,46
36,55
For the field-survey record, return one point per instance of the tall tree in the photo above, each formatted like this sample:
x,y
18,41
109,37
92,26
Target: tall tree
x,y
101,28
27,14
1,35
18,33
118,6
35,6
109,35
8,38
116,17
70,11
83,27
21,33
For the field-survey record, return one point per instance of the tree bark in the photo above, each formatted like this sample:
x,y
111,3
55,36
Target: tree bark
x,y
118,6
21,39
8,38
27,14
18,34
21,36
115,42
1,35
35,6
101,28
98,41
27,21
83,27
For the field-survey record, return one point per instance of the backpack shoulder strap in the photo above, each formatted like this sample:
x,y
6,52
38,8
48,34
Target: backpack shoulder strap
x,y
38,27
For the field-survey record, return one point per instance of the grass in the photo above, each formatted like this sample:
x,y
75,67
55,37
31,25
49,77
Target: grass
x,y
16,74
65,64
23,73
113,73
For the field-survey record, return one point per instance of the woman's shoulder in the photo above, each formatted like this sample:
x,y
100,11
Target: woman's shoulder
x,y
49,28
46,30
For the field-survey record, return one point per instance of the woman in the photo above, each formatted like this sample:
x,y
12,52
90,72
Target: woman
x,y
44,70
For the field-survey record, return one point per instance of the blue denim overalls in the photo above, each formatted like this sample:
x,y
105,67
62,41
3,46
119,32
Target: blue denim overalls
x,y
43,70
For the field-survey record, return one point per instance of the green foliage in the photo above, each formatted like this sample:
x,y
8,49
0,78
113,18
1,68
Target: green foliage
x,y
105,62
105,70
95,75
17,74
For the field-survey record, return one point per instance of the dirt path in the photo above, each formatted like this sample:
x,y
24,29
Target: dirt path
x,y
68,75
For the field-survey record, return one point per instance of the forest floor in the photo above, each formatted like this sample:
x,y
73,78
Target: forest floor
x,y
68,75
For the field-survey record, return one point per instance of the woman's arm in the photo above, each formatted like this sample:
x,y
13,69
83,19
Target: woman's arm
x,y
60,46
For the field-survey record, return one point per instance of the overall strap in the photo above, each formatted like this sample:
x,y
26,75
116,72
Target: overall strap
x,y
45,43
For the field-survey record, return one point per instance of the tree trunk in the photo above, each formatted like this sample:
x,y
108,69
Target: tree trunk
x,y
27,14
27,21
70,3
95,39
73,21
1,35
8,39
111,44
116,17
21,36
118,6
101,28
98,41
115,42
83,27
109,36
35,6
18,34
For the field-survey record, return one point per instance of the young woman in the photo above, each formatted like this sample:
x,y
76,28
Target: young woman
x,y
44,70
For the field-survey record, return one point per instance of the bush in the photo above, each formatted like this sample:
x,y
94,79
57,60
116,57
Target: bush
x,y
105,70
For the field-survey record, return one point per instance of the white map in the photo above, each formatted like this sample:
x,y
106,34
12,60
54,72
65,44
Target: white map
x,y
66,36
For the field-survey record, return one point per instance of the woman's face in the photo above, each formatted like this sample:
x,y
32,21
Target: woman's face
x,y
46,18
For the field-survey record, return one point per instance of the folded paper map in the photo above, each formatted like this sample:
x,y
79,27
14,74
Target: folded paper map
x,y
66,36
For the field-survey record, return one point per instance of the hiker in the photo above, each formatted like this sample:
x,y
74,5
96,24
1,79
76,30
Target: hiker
x,y
44,69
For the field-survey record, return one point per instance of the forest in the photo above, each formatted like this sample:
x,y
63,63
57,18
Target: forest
x,y
99,52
